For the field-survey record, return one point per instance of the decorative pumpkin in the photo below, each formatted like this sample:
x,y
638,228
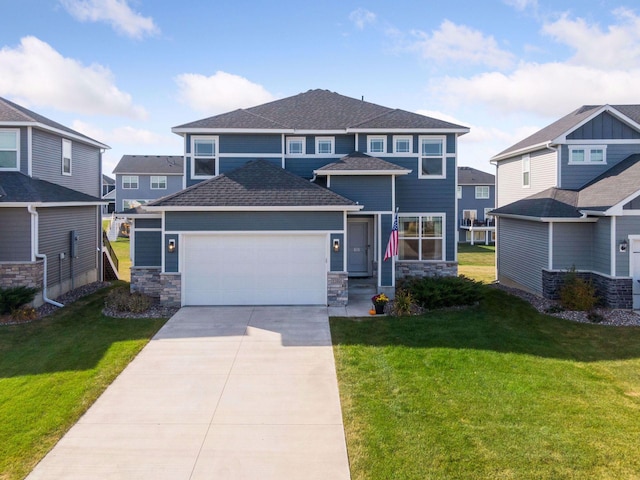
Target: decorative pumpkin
x,y
372,311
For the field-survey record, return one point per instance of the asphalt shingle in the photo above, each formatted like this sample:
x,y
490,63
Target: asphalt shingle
x,y
150,164
20,188
358,161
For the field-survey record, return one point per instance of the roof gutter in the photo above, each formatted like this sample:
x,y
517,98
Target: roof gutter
x,y
581,219
34,242
494,160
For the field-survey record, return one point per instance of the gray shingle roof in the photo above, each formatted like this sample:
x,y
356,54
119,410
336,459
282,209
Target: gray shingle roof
x,y
319,110
106,180
358,161
550,203
566,123
472,176
20,188
150,164
12,112
256,184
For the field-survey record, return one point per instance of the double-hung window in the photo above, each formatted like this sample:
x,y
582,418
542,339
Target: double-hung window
x,y
526,171
158,182
432,157
421,237
324,145
587,154
9,149
482,192
295,145
129,182
402,144
66,157
205,157
377,144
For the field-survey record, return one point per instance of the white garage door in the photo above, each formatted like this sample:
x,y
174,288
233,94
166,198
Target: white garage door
x,y
254,269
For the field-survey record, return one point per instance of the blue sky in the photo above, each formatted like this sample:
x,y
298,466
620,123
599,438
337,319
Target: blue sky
x,y
125,71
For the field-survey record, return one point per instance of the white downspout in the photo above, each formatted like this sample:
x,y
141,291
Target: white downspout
x,y
34,243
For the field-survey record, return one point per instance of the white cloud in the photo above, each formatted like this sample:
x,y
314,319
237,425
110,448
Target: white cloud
x,y
125,135
459,43
221,92
617,47
362,17
35,73
117,13
522,4
550,89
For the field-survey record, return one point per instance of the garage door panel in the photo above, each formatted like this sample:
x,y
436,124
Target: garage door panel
x,y
254,269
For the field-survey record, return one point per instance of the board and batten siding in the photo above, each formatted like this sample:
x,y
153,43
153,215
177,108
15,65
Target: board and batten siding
x,y
55,226
15,239
85,163
604,127
576,176
521,243
543,174
572,246
625,226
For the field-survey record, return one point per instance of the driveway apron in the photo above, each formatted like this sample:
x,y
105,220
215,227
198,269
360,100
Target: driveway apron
x,y
218,393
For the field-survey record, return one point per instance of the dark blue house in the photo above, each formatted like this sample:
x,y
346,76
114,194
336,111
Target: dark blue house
x,y
287,200
476,197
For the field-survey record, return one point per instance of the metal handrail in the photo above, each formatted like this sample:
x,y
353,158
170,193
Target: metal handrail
x,y
112,253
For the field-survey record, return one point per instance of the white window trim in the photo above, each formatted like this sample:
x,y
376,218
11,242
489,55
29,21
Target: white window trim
x,y
482,187
70,146
526,168
402,137
216,145
370,138
443,238
17,150
130,182
303,140
587,154
459,192
332,140
421,157
157,177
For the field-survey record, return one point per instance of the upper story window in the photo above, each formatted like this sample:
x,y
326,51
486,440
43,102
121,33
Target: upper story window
x,y
586,154
482,191
459,191
129,182
376,144
158,182
432,157
66,157
296,146
205,157
402,144
325,145
526,171
9,153
421,237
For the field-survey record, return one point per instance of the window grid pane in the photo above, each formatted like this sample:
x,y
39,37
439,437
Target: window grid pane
x,y
295,147
376,145
204,148
324,146
431,147
597,155
403,145
432,166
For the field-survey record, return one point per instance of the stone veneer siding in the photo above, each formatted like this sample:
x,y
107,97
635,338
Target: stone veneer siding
x,y
146,280
425,269
614,292
337,289
171,290
16,274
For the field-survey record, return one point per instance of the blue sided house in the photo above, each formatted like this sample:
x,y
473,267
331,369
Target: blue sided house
x,y
285,201
568,198
476,198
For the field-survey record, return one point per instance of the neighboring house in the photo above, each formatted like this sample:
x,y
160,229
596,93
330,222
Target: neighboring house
x,y
285,201
50,206
108,194
143,178
476,197
567,198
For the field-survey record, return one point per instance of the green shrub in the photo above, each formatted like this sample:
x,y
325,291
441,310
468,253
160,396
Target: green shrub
x,y
577,294
24,314
12,298
441,292
122,300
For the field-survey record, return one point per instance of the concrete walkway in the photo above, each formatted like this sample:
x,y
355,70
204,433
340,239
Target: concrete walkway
x,y
220,392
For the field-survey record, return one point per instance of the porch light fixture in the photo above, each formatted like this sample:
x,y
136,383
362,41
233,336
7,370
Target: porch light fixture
x,y
171,247
623,246
336,245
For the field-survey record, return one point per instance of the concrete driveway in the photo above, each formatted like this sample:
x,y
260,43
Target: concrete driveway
x,y
220,392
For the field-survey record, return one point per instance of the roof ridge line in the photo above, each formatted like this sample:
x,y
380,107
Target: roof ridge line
x,y
390,110
264,118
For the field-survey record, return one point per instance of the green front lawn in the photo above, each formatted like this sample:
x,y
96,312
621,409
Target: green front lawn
x,y
53,369
121,247
495,391
477,262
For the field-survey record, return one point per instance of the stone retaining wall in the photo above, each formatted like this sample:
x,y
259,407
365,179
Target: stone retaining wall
x,y
27,274
614,292
171,292
337,289
146,280
425,269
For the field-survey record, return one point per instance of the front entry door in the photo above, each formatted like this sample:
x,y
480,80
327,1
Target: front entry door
x,y
358,248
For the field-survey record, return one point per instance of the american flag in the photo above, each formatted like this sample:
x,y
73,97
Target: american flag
x,y
392,246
